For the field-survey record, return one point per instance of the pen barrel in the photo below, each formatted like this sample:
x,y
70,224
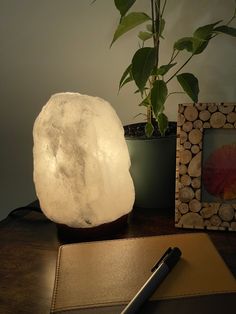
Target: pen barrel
x,y
147,289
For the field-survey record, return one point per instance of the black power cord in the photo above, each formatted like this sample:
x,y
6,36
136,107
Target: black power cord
x,y
34,206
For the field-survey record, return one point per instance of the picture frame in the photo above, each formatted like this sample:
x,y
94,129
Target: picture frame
x,y
205,196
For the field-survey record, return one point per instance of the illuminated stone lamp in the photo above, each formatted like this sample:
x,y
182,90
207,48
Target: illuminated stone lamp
x,y
81,166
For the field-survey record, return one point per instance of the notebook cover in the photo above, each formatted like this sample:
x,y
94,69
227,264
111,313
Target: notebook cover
x,y
102,277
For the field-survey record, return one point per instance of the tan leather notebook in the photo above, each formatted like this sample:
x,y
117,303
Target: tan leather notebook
x,y
102,277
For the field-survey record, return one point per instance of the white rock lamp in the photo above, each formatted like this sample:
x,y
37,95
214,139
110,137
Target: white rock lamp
x,y
81,163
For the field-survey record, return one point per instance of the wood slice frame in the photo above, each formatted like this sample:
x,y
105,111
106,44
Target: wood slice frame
x,y
190,212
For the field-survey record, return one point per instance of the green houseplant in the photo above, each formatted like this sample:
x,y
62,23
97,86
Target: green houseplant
x,y
153,150
145,70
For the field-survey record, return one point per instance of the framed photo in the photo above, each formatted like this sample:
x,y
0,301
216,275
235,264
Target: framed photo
x,y
206,166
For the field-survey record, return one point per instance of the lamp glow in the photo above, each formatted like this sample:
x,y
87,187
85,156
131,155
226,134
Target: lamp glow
x,y
81,162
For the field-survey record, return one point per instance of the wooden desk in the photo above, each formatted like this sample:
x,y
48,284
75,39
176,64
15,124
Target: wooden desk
x,y
29,246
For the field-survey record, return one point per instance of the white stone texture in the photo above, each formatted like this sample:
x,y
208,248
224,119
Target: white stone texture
x,y
81,161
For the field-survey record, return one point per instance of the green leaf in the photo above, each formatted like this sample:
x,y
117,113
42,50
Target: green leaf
x,y
164,68
158,96
138,91
124,5
127,80
201,37
129,22
226,30
199,45
149,28
144,36
205,32
145,102
126,77
189,83
184,43
149,129
162,121
142,64
162,26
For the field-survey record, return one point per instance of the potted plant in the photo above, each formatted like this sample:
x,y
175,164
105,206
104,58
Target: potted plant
x,y
155,139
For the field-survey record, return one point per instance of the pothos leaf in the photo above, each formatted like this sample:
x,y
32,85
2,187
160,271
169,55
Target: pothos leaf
x,y
149,129
149,27
162,121
164,68
158,96
128,22
184,43
126,77
162,26
162,23
189,83
124,5
205,32
199,45
144,36
142,65
145,102
226,30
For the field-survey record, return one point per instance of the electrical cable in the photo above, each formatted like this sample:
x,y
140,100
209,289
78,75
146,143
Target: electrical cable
x,y
33,206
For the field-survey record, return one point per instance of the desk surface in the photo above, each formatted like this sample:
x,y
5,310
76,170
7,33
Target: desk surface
x,y
29,247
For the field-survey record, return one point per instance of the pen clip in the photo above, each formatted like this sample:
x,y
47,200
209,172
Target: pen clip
x,y
161,259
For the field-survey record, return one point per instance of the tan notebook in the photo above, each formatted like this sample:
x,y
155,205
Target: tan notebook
x,y
102,277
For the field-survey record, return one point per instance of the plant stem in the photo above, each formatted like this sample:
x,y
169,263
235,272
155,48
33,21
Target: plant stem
x,y
155,7
175,93
155,10
153,25
157,22
173,56
183,65
233,17
149,114
163,9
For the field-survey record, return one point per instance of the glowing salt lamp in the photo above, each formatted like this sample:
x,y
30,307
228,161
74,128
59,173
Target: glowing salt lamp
x,y
81,162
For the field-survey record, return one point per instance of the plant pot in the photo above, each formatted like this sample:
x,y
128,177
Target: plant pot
x,y
153,167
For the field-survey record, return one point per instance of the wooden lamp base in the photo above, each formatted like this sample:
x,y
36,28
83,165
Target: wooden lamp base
x,y
107,230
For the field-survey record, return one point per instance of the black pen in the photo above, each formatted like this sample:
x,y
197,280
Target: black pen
x,y
160,271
